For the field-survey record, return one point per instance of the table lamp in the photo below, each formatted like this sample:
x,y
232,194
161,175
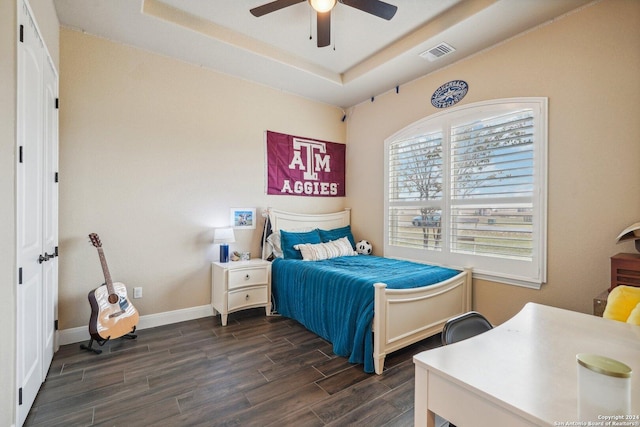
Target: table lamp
x,y
222,237
632,232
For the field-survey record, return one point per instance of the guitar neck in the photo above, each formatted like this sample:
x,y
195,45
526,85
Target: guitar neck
x,y
105,271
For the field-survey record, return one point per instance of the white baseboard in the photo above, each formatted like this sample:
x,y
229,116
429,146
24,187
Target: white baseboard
x,y
73,335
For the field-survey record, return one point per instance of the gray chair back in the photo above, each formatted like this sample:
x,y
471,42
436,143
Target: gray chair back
x,y
464,326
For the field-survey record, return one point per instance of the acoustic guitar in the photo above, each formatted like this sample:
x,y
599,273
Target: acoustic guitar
x,y
112,315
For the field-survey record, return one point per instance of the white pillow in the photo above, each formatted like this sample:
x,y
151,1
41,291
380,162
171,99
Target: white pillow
x,y
320,251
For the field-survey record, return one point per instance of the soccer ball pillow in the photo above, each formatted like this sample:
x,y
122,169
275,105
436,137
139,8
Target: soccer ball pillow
x,y
364,248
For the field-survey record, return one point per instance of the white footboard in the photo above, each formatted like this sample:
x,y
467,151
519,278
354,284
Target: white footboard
x,y
405,316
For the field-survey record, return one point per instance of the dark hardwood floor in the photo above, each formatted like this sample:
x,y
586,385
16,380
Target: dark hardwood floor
x,y
257,371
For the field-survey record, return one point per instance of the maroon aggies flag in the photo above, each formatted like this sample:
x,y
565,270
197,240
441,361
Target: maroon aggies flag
x,y
304,166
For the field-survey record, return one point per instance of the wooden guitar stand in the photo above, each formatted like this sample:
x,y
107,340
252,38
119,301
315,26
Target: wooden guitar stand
x,y
101,342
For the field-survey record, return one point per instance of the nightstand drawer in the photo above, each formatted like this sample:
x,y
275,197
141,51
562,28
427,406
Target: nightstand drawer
x,y
247,277
248,297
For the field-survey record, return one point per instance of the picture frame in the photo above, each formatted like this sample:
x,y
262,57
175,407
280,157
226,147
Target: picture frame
x,y
243,218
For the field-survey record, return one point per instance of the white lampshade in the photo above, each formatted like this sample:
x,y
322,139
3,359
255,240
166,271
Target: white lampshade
x,y
322,5
629,233
223,235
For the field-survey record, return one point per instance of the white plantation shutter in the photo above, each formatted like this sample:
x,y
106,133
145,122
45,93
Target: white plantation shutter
x,y
492,178
415,187
467,187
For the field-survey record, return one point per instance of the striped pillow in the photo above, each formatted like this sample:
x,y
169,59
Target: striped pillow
x,y
320,251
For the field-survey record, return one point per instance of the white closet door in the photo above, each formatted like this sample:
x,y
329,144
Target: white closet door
x,y
29,215
36,212
50,215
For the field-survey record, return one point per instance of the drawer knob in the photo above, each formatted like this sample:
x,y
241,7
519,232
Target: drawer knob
x,y
247,297
246,277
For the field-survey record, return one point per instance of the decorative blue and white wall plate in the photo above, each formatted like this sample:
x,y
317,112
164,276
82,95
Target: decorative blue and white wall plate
x,y
449,93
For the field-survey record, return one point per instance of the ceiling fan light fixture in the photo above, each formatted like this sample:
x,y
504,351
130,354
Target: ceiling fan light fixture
x,y
322,6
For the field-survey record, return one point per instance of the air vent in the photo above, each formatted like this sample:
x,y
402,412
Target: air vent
x,y
438,51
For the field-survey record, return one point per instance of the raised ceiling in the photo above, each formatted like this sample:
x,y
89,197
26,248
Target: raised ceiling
x,y
367,55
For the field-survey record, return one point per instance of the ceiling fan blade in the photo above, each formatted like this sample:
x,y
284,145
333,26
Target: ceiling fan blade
x,y
273,6
375,7
324,28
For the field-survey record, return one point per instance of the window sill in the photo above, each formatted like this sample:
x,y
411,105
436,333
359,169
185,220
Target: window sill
x,y
508,280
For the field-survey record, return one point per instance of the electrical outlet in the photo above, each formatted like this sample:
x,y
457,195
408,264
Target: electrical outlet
x,y
137,292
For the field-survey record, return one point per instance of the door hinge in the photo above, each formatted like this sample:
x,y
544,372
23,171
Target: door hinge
x,y
20,276
55,252
57,103
55,324
55,177
20,396
22,33
20,154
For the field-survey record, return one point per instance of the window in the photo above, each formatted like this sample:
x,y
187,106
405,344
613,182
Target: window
x,y
467,188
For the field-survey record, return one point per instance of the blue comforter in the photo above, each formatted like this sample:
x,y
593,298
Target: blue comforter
x,y
334,298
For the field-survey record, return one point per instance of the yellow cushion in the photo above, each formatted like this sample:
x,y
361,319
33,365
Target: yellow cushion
x,y
621,301
634,317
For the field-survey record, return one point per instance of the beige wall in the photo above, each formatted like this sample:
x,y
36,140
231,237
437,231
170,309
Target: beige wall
x,y
153,154
587,64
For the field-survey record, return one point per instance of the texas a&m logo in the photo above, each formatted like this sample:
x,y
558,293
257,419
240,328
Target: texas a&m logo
x,y
305,167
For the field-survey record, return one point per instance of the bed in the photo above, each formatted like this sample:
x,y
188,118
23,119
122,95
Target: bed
x,y
366,306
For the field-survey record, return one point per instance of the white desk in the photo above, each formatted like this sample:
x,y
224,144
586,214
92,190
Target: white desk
x,y
523,372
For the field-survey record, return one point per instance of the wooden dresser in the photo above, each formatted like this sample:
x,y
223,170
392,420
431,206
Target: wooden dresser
x,y
625,270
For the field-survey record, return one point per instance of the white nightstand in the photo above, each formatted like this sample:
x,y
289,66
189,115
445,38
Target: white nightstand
x,y
240,285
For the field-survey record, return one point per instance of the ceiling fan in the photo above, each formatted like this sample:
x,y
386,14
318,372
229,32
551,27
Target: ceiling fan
x,y
323,11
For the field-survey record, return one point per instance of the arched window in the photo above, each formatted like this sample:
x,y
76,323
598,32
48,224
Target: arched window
x,y
467,188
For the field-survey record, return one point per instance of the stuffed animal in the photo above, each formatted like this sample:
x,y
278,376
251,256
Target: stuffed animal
x,y
363,247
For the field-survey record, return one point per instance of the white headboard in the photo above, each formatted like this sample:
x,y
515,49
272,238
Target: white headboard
x,y
281,220
290,221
